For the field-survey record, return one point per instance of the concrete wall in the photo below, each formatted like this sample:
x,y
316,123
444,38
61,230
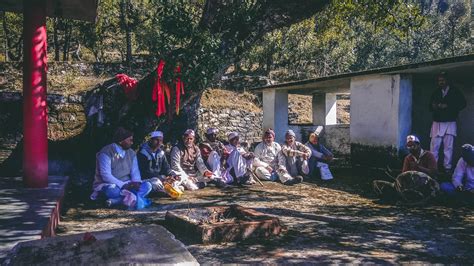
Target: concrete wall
x,y
275,112
380,118
335,137
423,86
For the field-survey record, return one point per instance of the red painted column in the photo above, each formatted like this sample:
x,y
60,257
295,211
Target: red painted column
x,y
35,117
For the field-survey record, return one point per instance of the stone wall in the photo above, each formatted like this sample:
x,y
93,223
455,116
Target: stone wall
x,y
247,123
73,140
66,121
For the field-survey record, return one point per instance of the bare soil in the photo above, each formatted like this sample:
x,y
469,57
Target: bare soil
x,y
335,222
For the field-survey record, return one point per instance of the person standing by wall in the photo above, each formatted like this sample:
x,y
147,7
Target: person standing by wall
x,y
445,104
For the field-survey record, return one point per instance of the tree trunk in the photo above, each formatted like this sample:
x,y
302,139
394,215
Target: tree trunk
x,y
56,39
124,10
5,32
67,41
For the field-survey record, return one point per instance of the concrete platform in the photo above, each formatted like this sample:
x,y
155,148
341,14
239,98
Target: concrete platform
x,y
132,245
28,214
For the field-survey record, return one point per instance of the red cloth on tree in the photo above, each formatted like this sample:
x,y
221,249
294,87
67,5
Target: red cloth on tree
x,y
161,90
129,86
179,87
157,92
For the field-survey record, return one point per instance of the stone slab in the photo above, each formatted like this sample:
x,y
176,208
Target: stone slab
x,y
131,245
27,213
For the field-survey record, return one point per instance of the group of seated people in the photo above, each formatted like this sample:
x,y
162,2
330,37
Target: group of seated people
x,y
418,180
125,177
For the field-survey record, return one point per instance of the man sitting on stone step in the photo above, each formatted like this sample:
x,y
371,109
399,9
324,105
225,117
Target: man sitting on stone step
x,y
239,162
266,160
187,163
293,160
117,170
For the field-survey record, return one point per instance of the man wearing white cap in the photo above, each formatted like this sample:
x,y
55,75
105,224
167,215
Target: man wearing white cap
x,y
419,160
186,161
320,156
239,161
415,184
152,161
266,160
293,160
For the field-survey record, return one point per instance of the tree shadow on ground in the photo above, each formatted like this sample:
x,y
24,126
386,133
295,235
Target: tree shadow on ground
x,y
331,222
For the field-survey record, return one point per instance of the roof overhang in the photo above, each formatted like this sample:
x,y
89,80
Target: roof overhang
x,y
71,9
460,65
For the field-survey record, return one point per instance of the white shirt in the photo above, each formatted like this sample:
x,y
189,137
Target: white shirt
x,y
463,175
266,155
439,129
445,91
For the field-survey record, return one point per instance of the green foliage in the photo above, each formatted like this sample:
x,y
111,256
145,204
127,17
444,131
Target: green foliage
x,y
349,35
363,34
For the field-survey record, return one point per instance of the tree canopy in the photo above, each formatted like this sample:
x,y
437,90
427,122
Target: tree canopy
x,y
287,39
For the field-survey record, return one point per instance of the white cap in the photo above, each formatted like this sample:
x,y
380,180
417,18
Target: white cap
x,y
412,138
318,131
232,135
212,130
156,134
291,133
189,132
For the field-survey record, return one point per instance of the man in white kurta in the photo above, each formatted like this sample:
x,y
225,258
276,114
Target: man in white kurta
x,y
446,102
266,160
293,160
239,161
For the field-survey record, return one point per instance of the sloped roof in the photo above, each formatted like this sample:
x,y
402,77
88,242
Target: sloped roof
x,y
340,83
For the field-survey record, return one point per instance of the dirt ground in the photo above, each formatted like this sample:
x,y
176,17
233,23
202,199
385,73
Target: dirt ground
x,y
331,222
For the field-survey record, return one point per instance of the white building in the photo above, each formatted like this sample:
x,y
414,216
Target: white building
x,y
387,104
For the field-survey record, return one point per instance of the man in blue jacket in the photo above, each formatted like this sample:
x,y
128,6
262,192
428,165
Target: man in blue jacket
x,y
154,166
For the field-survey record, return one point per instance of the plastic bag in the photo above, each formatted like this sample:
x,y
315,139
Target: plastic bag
x,y
305,167
325,172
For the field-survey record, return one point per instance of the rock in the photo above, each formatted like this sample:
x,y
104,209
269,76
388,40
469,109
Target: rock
x,y
234,113
132,245
10,96
75,99
56,98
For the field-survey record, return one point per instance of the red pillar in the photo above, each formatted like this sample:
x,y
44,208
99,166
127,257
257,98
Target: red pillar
x,y
35,118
